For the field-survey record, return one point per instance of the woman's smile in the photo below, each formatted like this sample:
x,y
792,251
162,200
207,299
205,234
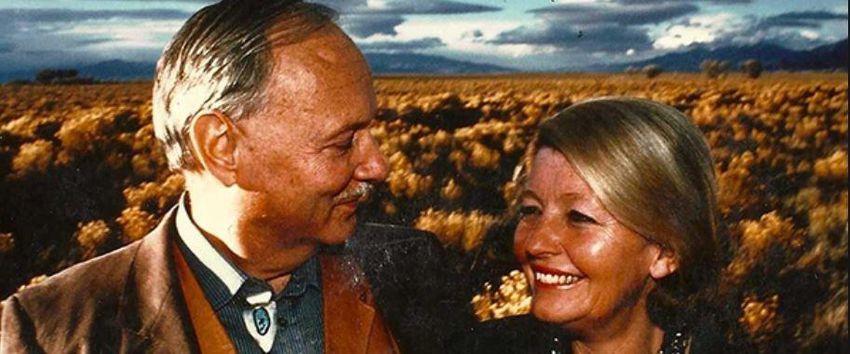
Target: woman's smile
x,y
545,277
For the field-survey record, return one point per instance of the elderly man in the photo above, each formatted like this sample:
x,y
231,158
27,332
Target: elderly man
x,y
264,107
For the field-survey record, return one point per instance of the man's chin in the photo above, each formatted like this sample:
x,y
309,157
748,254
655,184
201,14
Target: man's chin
x,y
339,233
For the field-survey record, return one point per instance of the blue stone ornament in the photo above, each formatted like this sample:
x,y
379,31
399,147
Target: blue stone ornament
x,y
262,320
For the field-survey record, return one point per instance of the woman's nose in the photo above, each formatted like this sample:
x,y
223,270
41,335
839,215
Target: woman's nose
x,y
543,240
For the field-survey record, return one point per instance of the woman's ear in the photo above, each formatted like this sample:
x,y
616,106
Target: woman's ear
x,y
665,263
214,138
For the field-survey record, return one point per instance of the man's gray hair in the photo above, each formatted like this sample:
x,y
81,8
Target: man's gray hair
x,y
220,61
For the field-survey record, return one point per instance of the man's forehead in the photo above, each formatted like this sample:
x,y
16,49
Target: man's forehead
x,y
326,58
327,44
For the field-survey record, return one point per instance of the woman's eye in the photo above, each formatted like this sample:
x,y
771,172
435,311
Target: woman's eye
x,y
580,218
527,210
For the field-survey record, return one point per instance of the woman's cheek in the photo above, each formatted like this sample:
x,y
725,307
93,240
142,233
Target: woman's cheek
x,y
519,243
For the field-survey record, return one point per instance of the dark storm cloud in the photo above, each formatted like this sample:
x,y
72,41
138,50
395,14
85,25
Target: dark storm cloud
x,y
646,13
425,8
6,47
362,20
807,19
41,38
362,25
21,26
47,16
719,2
599,38
402,46
608,27
90,41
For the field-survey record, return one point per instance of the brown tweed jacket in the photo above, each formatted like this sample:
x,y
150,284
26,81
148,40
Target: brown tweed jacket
x,y
130,301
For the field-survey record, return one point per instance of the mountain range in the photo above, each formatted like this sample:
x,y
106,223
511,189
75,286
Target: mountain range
x,y
773,57
831,56
381,63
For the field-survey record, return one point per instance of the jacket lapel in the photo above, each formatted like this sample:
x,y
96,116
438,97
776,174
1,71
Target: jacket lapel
x,y
348,310
155,318
153,311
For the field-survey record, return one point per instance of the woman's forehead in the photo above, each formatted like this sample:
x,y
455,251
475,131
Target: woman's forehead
x,y
552,173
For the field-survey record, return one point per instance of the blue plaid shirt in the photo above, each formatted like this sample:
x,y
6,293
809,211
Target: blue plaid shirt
x,y
295,317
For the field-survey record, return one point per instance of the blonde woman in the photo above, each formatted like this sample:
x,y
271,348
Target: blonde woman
x,y
618,235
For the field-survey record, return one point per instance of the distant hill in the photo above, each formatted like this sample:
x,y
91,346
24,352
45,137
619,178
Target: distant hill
x,y
382,63
119,70
773,57
111,70
830,56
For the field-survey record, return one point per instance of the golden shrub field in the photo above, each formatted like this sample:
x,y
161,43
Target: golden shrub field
x,y
81,174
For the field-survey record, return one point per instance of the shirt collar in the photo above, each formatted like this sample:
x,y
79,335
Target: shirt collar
x,y
306,275
227,272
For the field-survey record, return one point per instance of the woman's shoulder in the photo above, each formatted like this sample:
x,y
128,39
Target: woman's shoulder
x,y
516,334
710,336
526,335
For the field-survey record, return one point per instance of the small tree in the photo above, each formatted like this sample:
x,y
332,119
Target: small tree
x,y
752,67
652,70
714,68
50,76
17,82
631,69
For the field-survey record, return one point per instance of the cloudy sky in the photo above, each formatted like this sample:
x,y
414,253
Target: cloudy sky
x,y
523,34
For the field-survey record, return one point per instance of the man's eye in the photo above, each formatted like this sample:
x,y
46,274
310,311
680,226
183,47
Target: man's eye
x,y
343,145
346,145
527,210
580,218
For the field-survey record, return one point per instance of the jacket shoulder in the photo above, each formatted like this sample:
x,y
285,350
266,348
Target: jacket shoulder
x,y
517,334
103,276
379,235
415,288
395,254
80,301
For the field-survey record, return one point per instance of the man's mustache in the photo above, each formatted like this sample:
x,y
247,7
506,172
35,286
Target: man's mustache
x,y
361,191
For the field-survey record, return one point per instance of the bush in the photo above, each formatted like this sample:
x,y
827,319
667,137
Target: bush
x,y
714,68
18,82
652,70
752,68
49,76
61,77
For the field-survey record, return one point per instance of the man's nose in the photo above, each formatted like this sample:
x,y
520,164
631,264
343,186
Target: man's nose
x,y
373,165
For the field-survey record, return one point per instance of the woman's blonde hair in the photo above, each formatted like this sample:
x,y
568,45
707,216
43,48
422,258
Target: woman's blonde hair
x,y
651,168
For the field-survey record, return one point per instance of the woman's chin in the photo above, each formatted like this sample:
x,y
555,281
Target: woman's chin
x,y
554,309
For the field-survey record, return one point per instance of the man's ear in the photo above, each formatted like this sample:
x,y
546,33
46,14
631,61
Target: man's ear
x,y
665,263
214,138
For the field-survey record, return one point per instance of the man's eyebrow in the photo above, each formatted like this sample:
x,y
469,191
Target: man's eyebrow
x,y
360,124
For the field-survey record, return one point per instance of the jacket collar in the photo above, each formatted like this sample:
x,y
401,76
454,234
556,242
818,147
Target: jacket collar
x,y
347,305
155,318
153,313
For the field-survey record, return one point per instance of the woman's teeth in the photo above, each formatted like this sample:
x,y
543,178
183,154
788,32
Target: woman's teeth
x,y
553,279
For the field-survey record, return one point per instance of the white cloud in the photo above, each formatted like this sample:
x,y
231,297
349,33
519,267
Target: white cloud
x,y
456,36
809,34
378,4
698,29
125,34
524,50
575,1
